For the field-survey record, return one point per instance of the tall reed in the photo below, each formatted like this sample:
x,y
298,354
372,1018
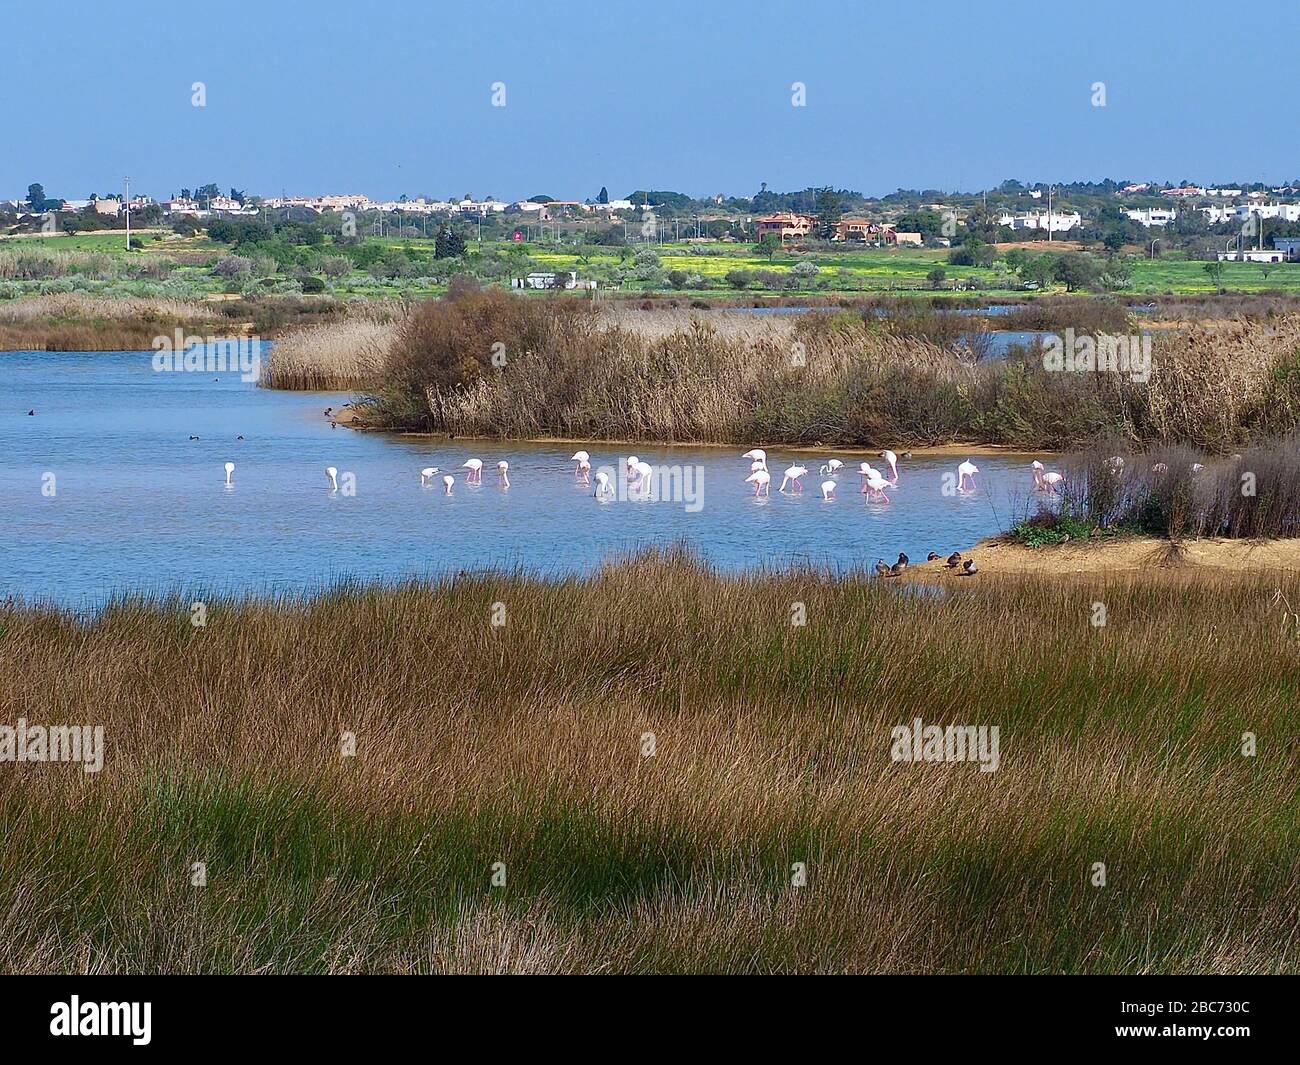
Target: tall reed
x,y
648,753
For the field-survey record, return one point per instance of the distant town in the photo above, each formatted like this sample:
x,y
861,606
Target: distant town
x,y
1241,223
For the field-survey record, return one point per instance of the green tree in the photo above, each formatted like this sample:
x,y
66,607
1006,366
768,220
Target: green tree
x,y
604,195
448,244
36,196
769,245
937,276
829,212
1077,270
1215,270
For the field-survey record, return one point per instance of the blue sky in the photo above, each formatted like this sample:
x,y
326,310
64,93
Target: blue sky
x,y
395,97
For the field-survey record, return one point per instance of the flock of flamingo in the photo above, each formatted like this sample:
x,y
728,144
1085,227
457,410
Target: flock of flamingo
x,y
638,473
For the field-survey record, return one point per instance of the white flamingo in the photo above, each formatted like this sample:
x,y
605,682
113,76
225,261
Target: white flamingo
x,y
832,467
762,482
1050,482
447,482
792,476
1038,468
426,475
333,474
966,469
582,471
503,473
603,488
828,490
644,477
230,468
892,460
757,454
475,467
876,485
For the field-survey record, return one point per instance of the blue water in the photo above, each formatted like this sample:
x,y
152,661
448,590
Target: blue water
x,y
137,506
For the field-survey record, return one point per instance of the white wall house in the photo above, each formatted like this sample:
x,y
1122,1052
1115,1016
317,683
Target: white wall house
x,y
1057,222
1288,212
1153,216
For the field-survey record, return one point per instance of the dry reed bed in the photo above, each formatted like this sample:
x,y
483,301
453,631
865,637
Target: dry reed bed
x,y
836,378
522,744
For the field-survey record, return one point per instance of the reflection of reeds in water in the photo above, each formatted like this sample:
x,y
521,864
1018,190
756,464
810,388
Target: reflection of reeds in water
x,y
523,744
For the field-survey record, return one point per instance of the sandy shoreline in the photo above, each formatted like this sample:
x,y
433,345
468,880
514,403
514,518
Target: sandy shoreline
x,y
348,417
1122,556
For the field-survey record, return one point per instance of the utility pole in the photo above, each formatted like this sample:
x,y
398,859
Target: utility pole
x,y
1049,214
126,199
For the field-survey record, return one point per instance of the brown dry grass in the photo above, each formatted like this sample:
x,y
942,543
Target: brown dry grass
x,y
523,744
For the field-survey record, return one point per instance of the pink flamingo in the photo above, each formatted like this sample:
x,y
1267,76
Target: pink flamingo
x,y
762,482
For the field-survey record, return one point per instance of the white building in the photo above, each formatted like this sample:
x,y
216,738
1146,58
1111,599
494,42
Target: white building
x,y
1056,222
1288,212
540,279
1153,216
1253,255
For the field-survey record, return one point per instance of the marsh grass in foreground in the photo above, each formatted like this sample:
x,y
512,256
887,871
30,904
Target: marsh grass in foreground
x,y
524,744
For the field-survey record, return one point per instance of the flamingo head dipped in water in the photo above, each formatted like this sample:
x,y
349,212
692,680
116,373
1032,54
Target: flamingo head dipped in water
x,y
230,468
1052,482
475,467
582,469
426,474
603,487
503,473
761,480
332,475
876,485
792,477
966,471
757,454
832,467
828,490
447,482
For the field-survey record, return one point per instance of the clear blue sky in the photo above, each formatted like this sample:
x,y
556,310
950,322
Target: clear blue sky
x,y
394,97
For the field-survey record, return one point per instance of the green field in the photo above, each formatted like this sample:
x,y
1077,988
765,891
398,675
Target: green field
x,y
842,272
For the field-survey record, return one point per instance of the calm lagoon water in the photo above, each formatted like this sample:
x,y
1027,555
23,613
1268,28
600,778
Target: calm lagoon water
x,y
139,507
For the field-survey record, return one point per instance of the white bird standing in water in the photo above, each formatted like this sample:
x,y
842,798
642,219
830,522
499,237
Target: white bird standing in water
x,y
582,471
1050,482
475,467
792,476
426,475
230,468
966,469
1038,468
892,460
503,473
828,489
603,488
876,485
447,482
762,482
644,477
757,454
832,467
333,474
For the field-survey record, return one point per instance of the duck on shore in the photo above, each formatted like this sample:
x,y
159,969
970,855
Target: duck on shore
x,y
968,568
898,567
954,560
